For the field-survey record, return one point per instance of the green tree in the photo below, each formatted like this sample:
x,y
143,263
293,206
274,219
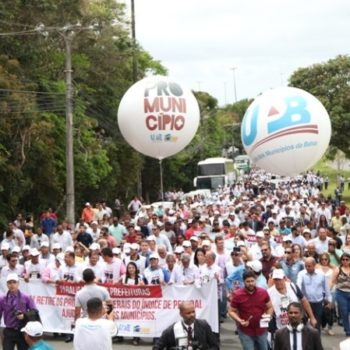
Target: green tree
x,y
329,82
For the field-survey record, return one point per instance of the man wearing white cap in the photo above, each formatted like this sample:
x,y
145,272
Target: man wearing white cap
x,y
5,251
13,267
134,256
154,274
282,293
33,332
13,306
45,256
33,268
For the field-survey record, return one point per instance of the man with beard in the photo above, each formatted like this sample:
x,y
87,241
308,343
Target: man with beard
x,y
249,305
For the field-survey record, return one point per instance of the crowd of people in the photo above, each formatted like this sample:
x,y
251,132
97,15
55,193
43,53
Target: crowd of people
x,y
274,242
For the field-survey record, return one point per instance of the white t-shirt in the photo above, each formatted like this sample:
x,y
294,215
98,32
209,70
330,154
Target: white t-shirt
x,y
94,334
280,303
112,272
70,273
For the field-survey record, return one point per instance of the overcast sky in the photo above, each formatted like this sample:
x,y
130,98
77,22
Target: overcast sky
x,y
199,41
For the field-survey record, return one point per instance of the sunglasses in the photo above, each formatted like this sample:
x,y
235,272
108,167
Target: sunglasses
x,y
289,252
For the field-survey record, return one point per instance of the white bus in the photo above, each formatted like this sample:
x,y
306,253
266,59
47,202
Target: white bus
x,y
215,172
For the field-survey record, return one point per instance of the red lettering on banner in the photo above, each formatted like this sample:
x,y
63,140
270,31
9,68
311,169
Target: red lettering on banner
x,y
66,288
115,290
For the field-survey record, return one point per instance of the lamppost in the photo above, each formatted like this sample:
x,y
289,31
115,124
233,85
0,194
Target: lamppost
x,y
234,83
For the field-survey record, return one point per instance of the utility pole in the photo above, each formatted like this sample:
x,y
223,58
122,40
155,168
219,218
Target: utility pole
x,y
68,33
70,188
234,83
134,79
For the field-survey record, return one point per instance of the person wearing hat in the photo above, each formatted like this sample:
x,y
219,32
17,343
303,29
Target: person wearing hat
x,y
13,306
25,255
154,274
135,256
282,293
33,268
185,273
45,256
88,213
94,231
12,267
5,251
33,332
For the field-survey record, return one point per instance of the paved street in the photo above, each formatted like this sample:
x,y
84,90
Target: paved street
x,y
229,341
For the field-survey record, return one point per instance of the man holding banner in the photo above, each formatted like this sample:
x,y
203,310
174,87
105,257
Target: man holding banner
x,y
188,333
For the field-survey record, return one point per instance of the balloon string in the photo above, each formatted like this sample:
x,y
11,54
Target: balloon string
x,y
161,180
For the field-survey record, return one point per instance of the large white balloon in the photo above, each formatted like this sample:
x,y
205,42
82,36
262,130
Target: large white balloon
x,y
286,131
158,116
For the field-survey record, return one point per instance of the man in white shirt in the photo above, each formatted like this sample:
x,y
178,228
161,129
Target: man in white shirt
x,y
69,271
321,242
96,330
185,273
33,268
64,238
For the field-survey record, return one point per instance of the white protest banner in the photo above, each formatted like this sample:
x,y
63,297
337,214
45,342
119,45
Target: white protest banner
x,y
140,311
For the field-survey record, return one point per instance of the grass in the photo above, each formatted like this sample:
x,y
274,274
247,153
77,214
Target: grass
x,y
323,166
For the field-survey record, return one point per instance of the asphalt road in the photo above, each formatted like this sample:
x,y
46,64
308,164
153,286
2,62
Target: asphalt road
x,y
229,341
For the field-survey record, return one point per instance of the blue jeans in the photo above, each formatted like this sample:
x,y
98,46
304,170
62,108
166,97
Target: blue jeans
x,y
343,300
258,342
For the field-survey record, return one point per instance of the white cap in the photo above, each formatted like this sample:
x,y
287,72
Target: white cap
x,y
260,234
56,246
178,250
60,258
12,277
287,239
186,244
87,204
94,246
206,242
171,212
94,222
278,274
34,252
194,238
306,230
5,246
44,244
137,228
16,249
69,249
33,329
255,265
154,256
134,246
240,244
26,247
116,250
151,238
